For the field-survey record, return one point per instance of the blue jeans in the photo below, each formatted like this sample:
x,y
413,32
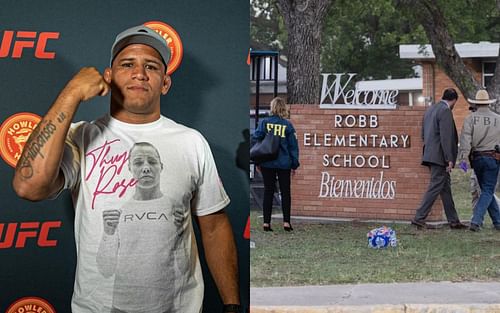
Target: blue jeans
x,y
486,169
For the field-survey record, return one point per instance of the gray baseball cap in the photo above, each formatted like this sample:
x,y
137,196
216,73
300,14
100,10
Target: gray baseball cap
x,y
141,35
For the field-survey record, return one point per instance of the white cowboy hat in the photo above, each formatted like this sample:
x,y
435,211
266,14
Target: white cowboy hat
x,y
482,97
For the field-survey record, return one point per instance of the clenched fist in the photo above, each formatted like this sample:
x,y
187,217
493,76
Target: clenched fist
x,y
87,84
111,218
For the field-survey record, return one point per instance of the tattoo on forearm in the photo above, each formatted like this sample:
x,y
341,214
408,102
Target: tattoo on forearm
x,y
25,168
42,135
34,146
61,117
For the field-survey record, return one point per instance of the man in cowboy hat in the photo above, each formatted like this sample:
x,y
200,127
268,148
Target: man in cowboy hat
x,y
440,152
481,137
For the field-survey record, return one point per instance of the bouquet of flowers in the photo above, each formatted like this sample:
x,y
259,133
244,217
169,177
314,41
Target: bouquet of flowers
x,y
382,237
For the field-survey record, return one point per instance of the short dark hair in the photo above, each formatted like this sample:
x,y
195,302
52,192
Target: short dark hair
x,y
450,94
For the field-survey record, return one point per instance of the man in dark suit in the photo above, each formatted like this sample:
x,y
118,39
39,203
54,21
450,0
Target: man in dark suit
x,y
439,154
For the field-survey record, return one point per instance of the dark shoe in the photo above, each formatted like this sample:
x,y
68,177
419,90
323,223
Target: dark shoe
x,y
474,227
267,228
497,227
458,226
419,224
288,228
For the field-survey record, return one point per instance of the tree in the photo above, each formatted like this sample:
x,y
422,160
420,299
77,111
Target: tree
x,y
304,22
363,37
429,14
266,26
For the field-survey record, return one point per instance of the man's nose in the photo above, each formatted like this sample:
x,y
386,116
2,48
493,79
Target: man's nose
x,y
146,170
140,73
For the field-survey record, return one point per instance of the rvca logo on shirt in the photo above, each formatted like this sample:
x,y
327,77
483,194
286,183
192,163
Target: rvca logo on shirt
x,y
144,216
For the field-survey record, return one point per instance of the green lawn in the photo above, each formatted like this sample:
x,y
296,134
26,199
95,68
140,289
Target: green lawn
x,y
336,253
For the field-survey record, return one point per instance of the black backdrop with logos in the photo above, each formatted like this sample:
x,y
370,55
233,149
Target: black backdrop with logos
x,y
209,93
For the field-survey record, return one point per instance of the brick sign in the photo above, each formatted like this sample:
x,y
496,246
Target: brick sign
x,y
362,164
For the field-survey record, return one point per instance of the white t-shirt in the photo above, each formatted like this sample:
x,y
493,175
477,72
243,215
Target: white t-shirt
x,y
150,264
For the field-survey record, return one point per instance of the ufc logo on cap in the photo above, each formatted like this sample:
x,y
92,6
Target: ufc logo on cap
x,y
24,40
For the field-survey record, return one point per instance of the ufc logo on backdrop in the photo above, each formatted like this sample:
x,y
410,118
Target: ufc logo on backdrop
x,y
19,41
34,231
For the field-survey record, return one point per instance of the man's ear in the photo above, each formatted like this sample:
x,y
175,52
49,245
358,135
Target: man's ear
x,y
167,82
107,75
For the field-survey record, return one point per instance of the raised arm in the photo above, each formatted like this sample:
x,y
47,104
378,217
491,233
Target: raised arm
x,y
37,174
220,253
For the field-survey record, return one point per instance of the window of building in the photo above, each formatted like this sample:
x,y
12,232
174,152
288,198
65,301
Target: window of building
x,y
263,64
488,72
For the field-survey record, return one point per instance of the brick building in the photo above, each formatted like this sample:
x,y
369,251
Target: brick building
x,y
479,57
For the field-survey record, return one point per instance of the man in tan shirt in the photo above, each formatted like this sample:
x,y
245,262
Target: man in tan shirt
x,y
480,138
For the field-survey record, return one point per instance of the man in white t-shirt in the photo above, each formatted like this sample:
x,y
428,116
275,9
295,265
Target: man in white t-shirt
x,y
136,249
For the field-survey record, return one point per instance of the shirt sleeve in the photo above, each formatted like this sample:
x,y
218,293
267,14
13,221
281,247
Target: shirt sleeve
x,y
445,133
70,164
293,148
260,132
210,195
466,138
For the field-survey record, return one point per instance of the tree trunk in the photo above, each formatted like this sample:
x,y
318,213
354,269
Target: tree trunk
x,y
431,18
304,22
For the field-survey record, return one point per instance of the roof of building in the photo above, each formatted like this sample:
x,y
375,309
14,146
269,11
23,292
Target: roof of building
x,y
264,52
483,49
390,84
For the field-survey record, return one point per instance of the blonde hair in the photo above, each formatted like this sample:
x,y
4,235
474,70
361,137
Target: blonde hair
x,y
279,107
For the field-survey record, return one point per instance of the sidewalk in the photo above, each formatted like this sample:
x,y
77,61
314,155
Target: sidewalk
x,y
433,297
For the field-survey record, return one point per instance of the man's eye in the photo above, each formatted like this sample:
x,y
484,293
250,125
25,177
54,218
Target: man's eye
x,y
127,65
138,163
152,161
151,67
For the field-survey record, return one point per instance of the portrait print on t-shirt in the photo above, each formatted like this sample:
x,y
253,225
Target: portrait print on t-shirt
x,y
136,189
141,239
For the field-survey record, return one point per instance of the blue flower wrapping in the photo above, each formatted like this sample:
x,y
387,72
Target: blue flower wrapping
x,y
382,237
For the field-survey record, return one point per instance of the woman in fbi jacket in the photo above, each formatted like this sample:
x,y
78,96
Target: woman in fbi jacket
x,y
283,166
